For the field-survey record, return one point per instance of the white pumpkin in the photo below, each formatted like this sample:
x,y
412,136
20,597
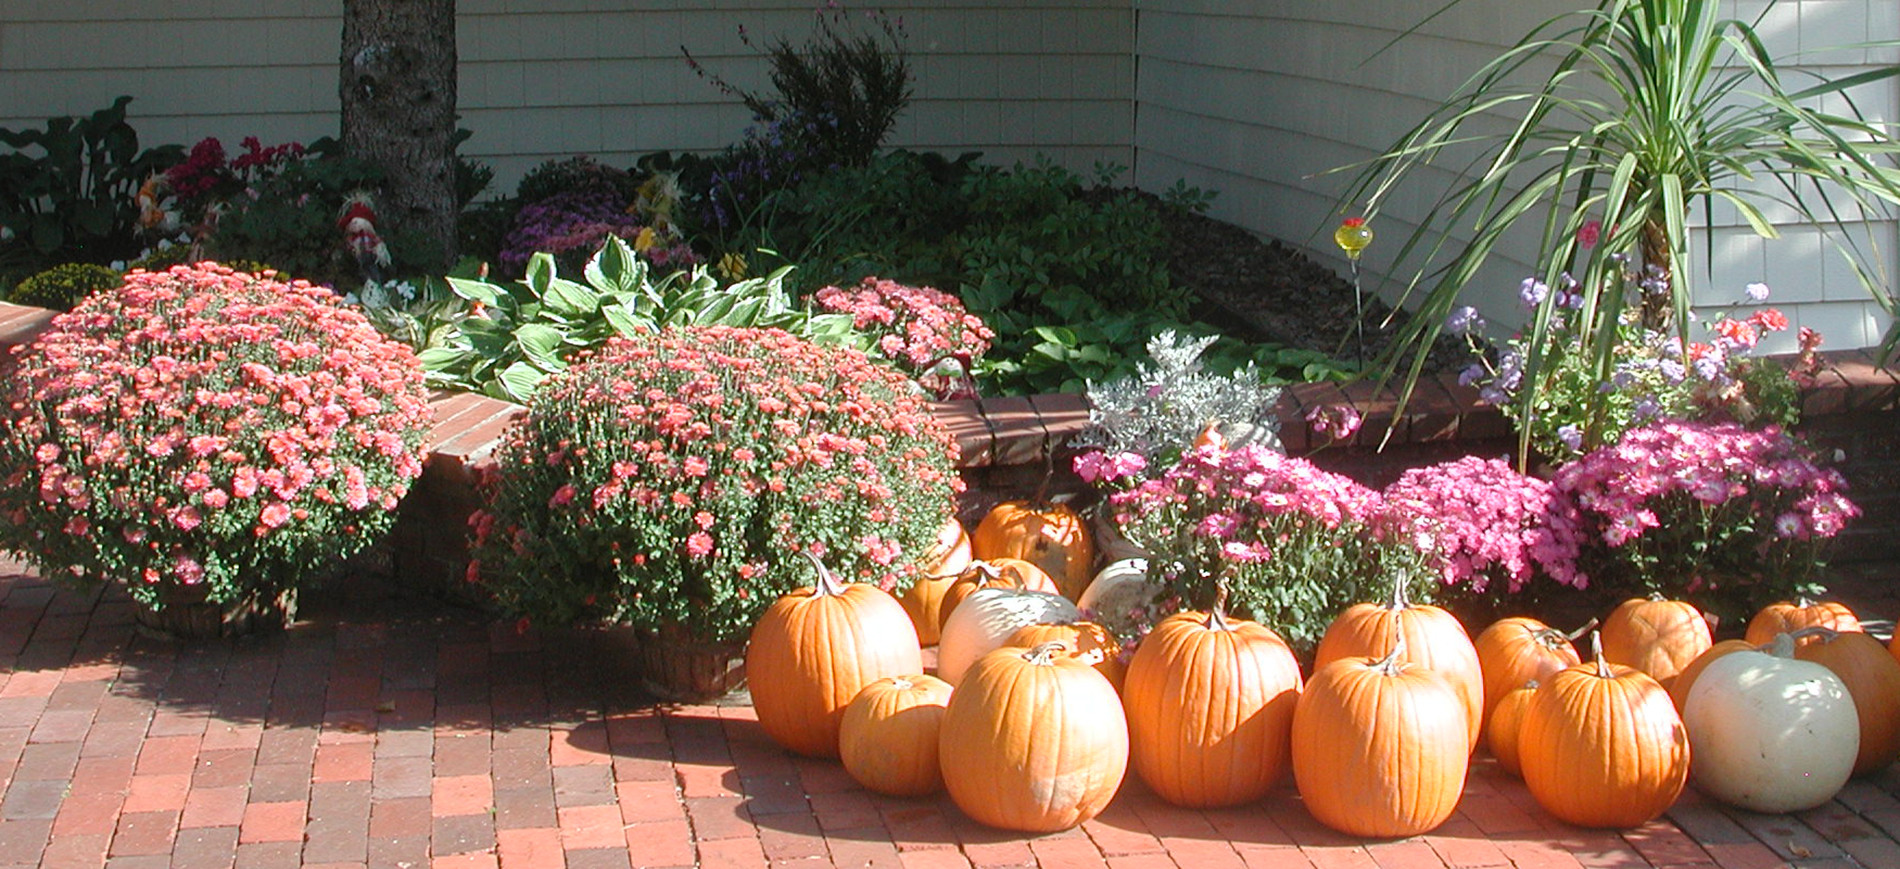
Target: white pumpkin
x,y
1770,733
1121,587
987,617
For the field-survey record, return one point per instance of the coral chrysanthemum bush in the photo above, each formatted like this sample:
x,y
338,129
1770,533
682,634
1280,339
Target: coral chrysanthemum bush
x,y
205,427
913,328
672,479
1490,527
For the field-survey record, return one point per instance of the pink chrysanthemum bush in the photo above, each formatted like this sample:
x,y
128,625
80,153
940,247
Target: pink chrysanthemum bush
x,y
913,328
671,479
1295,544
1729,517
205,427
1491,528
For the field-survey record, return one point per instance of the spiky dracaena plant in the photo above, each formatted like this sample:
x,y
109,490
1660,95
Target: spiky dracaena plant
x,y
1623,116
1157,412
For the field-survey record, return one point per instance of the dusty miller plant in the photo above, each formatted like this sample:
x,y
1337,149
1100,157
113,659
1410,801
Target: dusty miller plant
x,y
1159,411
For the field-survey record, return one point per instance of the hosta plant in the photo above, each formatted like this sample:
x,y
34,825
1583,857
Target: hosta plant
x,y
671,479
201,427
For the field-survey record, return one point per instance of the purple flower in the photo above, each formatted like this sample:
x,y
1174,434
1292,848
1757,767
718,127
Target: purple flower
x,y
1570,435
1757,292
1532,292
1463,320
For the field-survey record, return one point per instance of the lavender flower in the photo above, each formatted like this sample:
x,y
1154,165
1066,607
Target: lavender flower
x,y
1532,292
1463,320
1757,292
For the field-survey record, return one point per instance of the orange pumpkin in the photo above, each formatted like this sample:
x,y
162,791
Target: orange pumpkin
x,y
1086,640
888,739
1506,724
1873,679
812,652
1434,636
1033,740
947,559
1788,617
1210,709
1380,746
1679,687
1011,573
1602,746
1516,650
1050,536
1656,636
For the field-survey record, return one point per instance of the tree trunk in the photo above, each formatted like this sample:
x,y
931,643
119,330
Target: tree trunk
x,y
398,93
1659,307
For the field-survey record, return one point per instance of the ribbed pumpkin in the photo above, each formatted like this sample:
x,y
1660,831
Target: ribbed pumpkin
x,y
1434,637
1873,678
1049,535
1515,650
1601,746
1656,636
1679,687
888,739
1788,617
984,622
1000,573
1086,640
1501,732
1033,740
1210,709
1380,746
1771,733
946,560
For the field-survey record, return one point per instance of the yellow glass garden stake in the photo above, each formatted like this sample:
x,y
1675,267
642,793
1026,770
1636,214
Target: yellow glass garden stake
x,y
1352,236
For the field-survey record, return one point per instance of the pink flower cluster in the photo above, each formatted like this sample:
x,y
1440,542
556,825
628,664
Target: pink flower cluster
x,y
673,477
1628,488
204,425
1232,496
1487,522
912,327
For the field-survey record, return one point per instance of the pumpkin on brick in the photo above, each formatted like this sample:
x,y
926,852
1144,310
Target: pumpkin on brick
x,y
814,649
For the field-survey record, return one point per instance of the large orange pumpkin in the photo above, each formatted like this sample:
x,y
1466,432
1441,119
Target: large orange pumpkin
x,y
924,599
812,652
1516,650
1086,640
1506,724
1788,617
888,739
1656,636
1434,637
1049,535
1679,687
1380,746
1602,746
1011,573
1873,679
1033,740
1210,709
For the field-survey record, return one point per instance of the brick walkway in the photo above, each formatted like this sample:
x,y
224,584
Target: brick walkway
x,y
383,732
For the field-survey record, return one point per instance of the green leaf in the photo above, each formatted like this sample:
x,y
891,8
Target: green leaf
x,y
542,345
569,300
520,381
477,291
625,322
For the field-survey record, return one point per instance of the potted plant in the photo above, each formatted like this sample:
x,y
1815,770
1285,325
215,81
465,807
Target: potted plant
x,y
209,438
668,481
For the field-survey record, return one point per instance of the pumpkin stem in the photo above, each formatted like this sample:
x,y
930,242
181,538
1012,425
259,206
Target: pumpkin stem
x,y
1826,634
828,584
1389,665
1587,627
1782,646
1217,614
1596,651
1399,599
1043,655
902,683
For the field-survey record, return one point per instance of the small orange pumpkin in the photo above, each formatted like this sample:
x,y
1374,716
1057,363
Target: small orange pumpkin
x,y
814,649
1086,640
1602,746
1210,709
1033,740
947,559
1049,535
1656,636
1679,687
1013,573
1873,680
1380,746
1434,637
1516,650
888,739
1506,725
1789,617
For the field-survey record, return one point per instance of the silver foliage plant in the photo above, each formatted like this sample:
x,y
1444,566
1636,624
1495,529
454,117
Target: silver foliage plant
x,y
1157,412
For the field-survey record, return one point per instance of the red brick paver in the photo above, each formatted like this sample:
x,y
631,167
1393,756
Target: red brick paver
x,y
380,731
